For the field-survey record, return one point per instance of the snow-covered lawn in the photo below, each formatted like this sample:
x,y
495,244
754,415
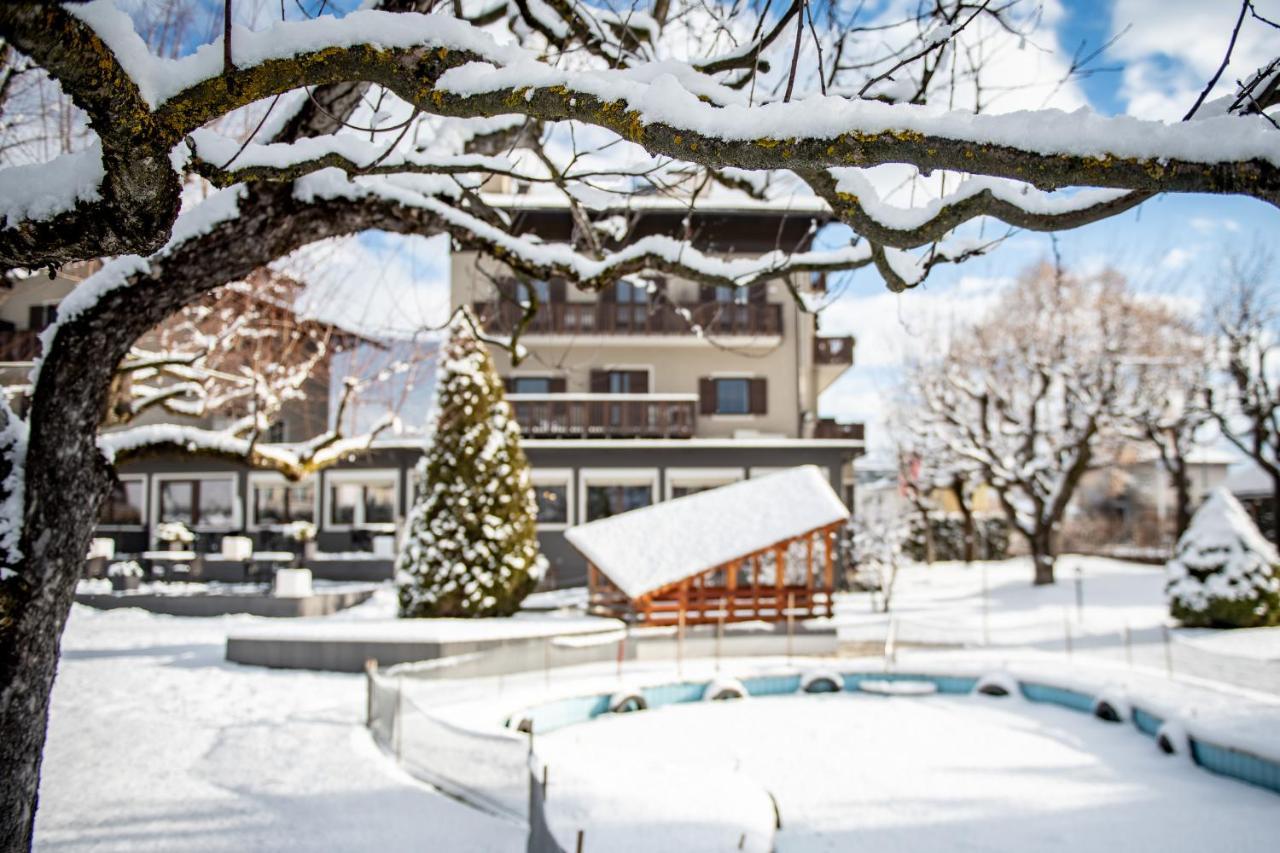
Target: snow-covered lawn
x,y
938,773
156,743
945,601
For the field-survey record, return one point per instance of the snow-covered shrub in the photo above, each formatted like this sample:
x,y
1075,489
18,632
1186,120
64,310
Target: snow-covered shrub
x,y
470,546
124,569
174,531
300,531
990,538
1225,574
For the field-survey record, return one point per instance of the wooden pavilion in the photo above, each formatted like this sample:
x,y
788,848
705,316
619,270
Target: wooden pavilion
x,y
759,549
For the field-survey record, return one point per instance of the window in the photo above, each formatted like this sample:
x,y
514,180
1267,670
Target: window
x,y
41,317
530,385
525,291
633,294
278,503
727,294
606,500
124,506
359,499
733,396
620,381
207,502
690,481
553,503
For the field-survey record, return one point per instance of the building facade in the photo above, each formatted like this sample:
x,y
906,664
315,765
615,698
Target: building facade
x,y
626,398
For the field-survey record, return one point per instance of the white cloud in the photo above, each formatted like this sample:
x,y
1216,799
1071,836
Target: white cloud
x,y
1173,48
375,283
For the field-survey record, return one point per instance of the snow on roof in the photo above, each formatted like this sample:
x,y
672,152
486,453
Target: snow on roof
x,y
1248,480
650,548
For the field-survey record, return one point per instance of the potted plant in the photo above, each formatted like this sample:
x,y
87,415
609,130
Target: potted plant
x,y
303,532
124,575
177,534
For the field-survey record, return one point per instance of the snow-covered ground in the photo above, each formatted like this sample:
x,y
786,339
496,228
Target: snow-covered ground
x,y
156,743
939,773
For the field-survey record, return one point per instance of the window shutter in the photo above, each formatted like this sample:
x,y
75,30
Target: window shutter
x,y
758,293
599,382
759,396
557,385
556,287
508,384
706,293
706,396
639,382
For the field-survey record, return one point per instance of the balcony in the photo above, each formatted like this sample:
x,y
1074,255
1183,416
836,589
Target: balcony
x,y
19,345
605,415
616,318
829,428
833,351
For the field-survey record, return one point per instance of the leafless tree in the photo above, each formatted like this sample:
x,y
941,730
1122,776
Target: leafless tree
x,y
1246,405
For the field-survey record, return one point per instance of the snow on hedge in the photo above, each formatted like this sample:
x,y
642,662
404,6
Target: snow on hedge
x,y
1225,573
647,549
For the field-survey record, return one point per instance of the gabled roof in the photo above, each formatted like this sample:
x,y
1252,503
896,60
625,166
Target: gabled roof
x,y
651,548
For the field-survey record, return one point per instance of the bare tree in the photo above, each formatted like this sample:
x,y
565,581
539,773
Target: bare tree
x,y
1026,394
1169,370
1246,406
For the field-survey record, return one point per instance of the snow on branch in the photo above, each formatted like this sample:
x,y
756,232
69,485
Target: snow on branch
x,y
144,107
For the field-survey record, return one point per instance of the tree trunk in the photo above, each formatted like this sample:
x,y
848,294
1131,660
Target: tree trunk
x,y
1275,510
1182,498
929,551
966,517
1042,556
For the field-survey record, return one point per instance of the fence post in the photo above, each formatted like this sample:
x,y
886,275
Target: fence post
x,y
1128,645
719,640
891,644
1066,631
579,847
986,608
399,718
370,667
546,661
1168,650
622,650
680,644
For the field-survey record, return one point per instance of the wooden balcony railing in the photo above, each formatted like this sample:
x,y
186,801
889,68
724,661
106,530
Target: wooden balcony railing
x,y
828,428
19,345
605,415
617,318
838,351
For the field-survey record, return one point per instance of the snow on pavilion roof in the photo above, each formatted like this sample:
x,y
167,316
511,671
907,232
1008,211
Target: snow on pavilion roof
x,y
650,548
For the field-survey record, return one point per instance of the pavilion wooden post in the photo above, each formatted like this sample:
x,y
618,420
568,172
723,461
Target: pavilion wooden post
x,y
779,576
829,569
731,597
684,600
591,584
808,571
755,586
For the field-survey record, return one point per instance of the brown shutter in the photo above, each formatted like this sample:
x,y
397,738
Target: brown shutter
x,y
639,382
758,293
556,288
759,397
508,384
557,385
706,396
599,382
609,294
706,293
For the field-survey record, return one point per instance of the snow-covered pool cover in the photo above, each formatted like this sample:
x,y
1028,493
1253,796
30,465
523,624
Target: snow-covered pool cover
x,y
647,549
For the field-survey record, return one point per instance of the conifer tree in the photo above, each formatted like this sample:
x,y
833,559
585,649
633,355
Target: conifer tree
x,y
470,547
1225,573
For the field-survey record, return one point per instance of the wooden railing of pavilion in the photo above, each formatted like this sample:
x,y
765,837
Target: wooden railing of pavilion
x,y
732,591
